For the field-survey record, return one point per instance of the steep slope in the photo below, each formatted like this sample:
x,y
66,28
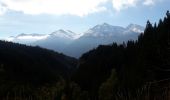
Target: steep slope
x,y
104,30
102,34
73,44
57,40
144,63
32,64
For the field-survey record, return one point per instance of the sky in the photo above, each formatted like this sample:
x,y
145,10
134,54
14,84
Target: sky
x,y
46,16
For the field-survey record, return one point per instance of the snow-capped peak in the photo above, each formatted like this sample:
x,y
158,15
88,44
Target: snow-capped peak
x,y
104,30
64,34
135,28
106,25
102,26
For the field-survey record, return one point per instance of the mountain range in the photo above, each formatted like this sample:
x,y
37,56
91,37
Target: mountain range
x,y
74,44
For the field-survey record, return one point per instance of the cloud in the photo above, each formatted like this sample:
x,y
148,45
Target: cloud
x,y
119,5
71,7
123,4
148,2
57,7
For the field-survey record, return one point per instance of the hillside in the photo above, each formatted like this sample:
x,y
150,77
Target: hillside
x,y
134,70
75,44
33,63
34,66
123,70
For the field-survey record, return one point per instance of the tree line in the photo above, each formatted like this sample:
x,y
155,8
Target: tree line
x,y
137,69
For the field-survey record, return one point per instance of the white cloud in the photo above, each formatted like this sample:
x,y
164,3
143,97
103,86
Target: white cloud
x,y
65,7
149,2
123,4
58,7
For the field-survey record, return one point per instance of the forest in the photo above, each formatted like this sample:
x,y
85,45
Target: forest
x,y
133,70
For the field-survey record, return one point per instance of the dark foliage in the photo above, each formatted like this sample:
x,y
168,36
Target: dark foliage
x,y
32,64
136,62
108,72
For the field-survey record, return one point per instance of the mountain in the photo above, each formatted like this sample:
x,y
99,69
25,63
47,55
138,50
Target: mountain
x,y
102,34
117,71
67,34
104,30
73,44
120,70
32,64
63,34
135,28
57,40
26,70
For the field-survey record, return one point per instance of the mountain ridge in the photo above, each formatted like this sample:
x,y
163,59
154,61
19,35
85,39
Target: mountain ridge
x,y
98,26
68,42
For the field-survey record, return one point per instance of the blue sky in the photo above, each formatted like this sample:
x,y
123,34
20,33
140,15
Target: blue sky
x,y
46,16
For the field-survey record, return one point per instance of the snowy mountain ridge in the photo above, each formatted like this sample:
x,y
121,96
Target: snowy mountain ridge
x,y
100,30
74,44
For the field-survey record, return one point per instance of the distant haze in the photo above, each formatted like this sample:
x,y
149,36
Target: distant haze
x,y
75,44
